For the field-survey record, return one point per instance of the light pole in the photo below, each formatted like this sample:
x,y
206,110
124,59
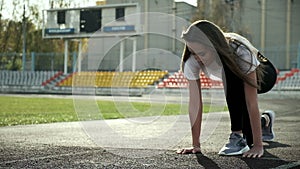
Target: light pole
x,y
231,3
24,39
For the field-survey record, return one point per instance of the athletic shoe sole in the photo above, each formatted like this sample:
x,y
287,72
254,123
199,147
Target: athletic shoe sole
x,y
245,149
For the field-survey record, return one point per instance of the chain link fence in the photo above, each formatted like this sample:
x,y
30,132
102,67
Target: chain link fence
x,y
36,61
55,61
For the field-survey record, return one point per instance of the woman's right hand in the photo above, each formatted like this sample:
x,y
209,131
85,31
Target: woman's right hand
x,y
191,150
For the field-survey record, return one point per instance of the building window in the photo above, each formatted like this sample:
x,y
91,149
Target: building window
x,y
90,20
120,13
61,17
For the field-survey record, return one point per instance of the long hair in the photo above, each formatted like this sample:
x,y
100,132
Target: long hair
x,y
209,34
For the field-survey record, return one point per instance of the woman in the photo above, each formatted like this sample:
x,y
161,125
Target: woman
x,y
219,57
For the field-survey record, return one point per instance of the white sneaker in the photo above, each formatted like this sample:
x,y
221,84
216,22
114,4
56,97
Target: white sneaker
x,y
267,131
237,145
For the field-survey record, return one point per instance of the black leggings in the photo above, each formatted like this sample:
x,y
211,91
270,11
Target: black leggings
x,y
263,122
236,102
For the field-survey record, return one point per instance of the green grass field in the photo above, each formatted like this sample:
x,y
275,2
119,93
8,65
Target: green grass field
x,y
36,110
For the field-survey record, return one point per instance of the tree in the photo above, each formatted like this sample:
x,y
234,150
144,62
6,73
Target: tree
x,y
11,34
224,13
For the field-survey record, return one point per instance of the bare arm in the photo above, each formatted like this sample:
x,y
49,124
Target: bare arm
x,y
195,110
195,114
254,115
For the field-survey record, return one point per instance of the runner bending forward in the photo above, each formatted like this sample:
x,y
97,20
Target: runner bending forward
x,y
215,53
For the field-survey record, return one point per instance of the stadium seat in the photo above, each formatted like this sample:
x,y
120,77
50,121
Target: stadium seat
x,y
24,78
288,80
177,80
140,79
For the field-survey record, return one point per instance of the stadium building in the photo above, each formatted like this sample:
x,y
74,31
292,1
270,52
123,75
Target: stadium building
x,y
124,35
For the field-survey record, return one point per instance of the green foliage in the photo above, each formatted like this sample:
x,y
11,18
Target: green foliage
x,y
12,33
227,15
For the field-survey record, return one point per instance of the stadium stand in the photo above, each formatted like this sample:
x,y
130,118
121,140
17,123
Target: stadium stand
x,y
52,78
288,80
25,78
140,79
177,80
103,81
25,81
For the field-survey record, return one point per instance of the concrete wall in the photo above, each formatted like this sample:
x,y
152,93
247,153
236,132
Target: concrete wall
x,y
156,47
274,39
